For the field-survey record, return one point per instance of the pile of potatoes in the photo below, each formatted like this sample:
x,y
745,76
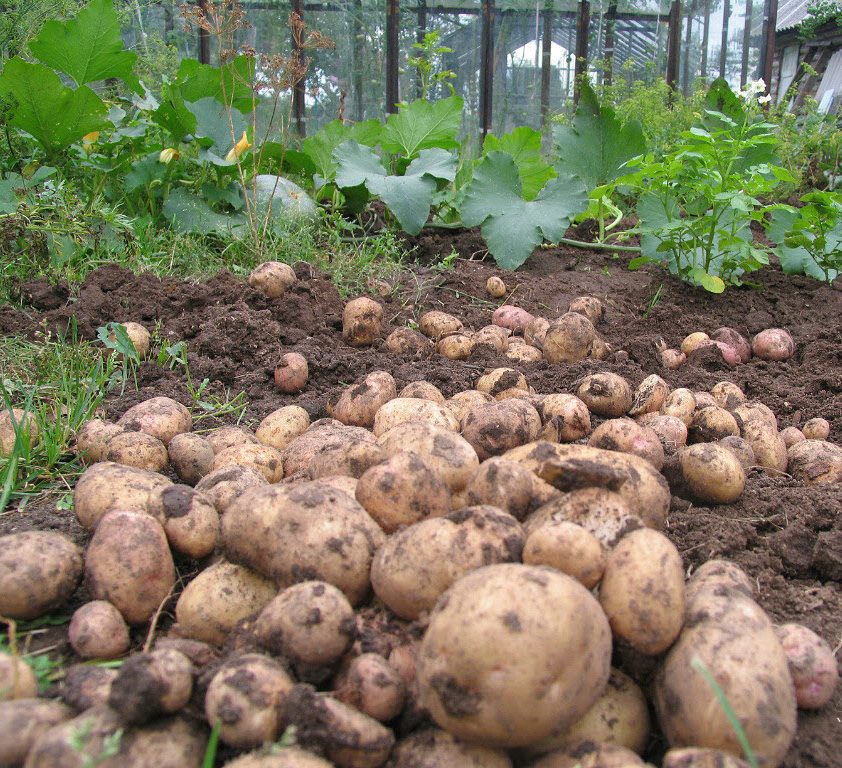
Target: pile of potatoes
x,y
773,344
416,580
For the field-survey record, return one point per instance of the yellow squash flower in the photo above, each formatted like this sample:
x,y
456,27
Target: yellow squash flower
x,y
168,155
237,151
89,139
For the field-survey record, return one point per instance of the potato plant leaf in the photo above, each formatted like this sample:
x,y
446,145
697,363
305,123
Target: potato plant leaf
x,y
409,196
88,48
513,227
524,145
423,124
597,145
49,111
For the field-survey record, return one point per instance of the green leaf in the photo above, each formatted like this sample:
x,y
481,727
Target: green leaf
x,y
524,145
173,115
721,102
8,192
796,259
46,109
512,226
144,171
711,283
88,48
597,145
319,147
212,125
228,84
423,125
189,213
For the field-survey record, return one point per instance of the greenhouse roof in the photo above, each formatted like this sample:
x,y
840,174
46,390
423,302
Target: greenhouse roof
x,y
791,13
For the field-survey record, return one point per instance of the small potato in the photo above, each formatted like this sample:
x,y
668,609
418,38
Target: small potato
x,y
137,450
434,748
524,353
362,320
589,754
742,450
149,685
501,379
92,439
322,435
311,623
85,686
566,418
711,424
601,349
727,395
98,631
62,747
697,757
422,390
769,447
407,409
672,359
671,431
816,429
503,484
719,575
401,491
359,403
812,665
261,458
191,457
291,373
642,591
712,473
722,352
39,572
191,521
462,402
494,337
272,278
349,460
140,337
220,596
606,394
407,341
168,742
680,403
245,696
225,485
160,417
568,339
372,686
495,287
589,306
17,680
535,331
649,396
456,346
288,757
128,563
435,324
494,428
23,722
773,344
228,437
791,436
815,462
735,340
627,436
511,317
568,548
693,341
282,426
753,411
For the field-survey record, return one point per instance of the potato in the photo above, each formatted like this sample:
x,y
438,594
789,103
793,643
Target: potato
x,y
291,373
649,396
401,491
406,409
128,563
812,665
349,459
735,641
769,447
692,342
372,686
228,437
501,379
362,320
23,722
435,324
773,344
671,431
735,340
815,461
300,532
160,417
218,598
493,428
719,574
272,278
456,346
311,623
727,395
434,748
76,743
695,757
504,484
495,287
741,449
261,458
711,424
642,591
224,485
169,742
494,337
245,696
535,331
628,436
791,436
568,548
524,353
98,631
448,454
573,467
672,359
85,686
422,390
816,429
606,394
191,521
589,754
568,339
712,473
680,403
511,317
138,450
282,426
17,680
322,435
191,457
504,664
149,685
589,306
726,352
462,402
566,418
416,565
753,411
39,571
286,757
92,439
407,341
139,336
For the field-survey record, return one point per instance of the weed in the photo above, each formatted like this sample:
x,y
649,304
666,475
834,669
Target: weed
x,y
46,670
655,300
209,760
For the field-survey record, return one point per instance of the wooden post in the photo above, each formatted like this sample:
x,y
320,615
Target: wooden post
x,y
746,45
767,47
204,37
608,51
392,55
723,50
546,60
583,23
298,90
703,68
674,43
357,44
486,73
685,75
419,38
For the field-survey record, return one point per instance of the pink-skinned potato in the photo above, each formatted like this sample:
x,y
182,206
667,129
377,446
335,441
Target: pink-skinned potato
x,y
514,318
812,665
773,344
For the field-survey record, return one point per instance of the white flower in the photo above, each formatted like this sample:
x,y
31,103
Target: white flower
x,y
764,99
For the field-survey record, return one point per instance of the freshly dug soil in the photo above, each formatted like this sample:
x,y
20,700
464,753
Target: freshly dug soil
x,y
788,537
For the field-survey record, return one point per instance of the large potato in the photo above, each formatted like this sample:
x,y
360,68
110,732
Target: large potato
x,y
434,748
23,722
62,747
606,394
39,571
405,409
711,424
767,444
191,456
815,461
128,563
566,418
712,473
423,390
287,757
347,460
590,754
462,402
362,319
169,742
272,278
323,435
224,485
494,428
17,680
161,417
513,655
435,324
642,591
407,341
359,403
303,532
92,439
228,437
282,426
568,339
500,379
12,423
138,450
262,458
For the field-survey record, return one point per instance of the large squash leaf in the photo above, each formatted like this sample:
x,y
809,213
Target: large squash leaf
x,y
88,48
189,213
423,124
49,111
524,145
513,227
597,145
229,84
319,147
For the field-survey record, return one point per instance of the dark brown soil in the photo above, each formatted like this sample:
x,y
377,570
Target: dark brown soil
x,y
787,536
